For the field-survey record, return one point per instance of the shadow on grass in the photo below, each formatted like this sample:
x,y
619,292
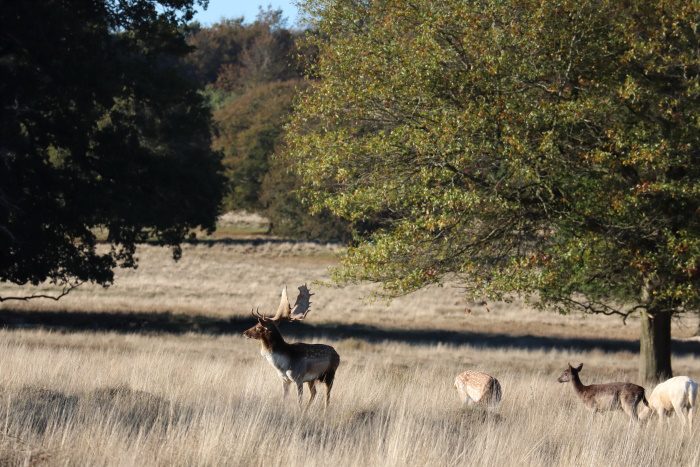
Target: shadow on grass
x,y
134,411
173,323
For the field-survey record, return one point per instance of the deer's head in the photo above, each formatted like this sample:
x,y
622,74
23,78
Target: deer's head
x,y
266,326
570,373
263,330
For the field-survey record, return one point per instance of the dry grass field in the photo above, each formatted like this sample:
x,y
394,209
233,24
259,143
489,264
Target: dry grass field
x,y
154,371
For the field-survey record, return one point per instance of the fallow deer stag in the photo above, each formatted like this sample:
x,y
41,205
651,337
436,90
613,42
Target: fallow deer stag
x,y
604,397
296,363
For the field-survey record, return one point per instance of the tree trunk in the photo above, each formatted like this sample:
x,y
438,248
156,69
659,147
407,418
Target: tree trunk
x,y
655,347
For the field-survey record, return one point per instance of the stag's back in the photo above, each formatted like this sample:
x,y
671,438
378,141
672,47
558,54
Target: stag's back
x,y
475,387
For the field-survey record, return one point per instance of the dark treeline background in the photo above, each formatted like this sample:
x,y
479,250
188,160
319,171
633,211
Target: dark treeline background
x,y
251,73
126,121
101,130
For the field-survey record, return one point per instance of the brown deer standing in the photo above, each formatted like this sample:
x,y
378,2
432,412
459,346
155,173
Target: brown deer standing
x,y
296,363
604,397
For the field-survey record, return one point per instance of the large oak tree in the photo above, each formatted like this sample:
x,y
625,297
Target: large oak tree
x,y
550,149
99,128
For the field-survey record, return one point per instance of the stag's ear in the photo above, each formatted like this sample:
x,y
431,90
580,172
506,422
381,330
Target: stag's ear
x,y
578,368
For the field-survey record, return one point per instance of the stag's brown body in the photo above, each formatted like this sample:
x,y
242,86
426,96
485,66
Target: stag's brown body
x,y
605,397
296,363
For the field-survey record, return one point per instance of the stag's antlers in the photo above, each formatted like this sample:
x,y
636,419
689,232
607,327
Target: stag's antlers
x,y
256,313
286,312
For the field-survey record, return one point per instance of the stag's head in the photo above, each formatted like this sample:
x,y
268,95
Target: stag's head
x,y
569,373
266,326
263,330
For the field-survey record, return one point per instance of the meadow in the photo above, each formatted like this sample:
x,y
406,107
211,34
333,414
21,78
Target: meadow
x,y
154,371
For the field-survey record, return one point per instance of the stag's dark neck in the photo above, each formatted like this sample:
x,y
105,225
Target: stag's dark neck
x,y
275,342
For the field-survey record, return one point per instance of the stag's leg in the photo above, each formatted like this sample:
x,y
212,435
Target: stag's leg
x,y
330,376
285,386
312,390
690,418
300,391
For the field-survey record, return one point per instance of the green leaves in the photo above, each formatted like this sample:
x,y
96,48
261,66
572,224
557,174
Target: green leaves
x,y
521,146
248,132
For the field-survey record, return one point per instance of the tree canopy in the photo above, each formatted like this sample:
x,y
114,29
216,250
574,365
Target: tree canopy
x,y
549,149
248,133
253,73
99,128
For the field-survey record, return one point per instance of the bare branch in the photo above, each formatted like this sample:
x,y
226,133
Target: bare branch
x,y
602,308
65,291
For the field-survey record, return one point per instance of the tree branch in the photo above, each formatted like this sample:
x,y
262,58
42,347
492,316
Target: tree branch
x,y
65,291
602,308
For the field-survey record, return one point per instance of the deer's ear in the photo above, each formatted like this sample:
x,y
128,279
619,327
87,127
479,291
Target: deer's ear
x,y
578,368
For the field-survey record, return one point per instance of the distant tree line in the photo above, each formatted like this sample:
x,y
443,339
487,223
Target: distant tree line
x,y
251,73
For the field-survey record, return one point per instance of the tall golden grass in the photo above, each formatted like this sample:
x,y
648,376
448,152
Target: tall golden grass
x,y
111,398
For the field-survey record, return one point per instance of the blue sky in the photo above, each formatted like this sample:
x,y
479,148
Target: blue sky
x,y
249,9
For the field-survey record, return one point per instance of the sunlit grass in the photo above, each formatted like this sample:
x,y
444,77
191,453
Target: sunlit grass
x,y
92,398
199,400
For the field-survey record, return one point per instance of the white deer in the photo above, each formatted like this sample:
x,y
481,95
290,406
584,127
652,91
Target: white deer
x,y
674,395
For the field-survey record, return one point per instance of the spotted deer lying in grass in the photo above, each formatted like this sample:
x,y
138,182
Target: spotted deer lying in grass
x,y
296,363
604,397
475,387
677,395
